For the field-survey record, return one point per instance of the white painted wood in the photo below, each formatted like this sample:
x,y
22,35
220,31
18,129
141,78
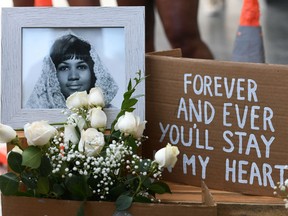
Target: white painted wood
x,y
15,19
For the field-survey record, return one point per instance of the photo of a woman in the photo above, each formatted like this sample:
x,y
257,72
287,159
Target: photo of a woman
x,y
72,65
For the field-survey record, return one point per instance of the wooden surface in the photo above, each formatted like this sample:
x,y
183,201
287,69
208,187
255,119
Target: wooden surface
x,y
228,203
27,206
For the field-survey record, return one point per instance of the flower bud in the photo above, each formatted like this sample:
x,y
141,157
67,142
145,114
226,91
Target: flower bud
x,y
167,156
97,118
130,124
70,134
96,97
7,133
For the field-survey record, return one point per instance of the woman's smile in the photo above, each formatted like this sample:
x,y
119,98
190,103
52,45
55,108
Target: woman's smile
x,y
73,75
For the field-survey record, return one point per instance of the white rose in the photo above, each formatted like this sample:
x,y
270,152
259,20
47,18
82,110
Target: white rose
x,y
39,133
70,134
7,134
138,132
97,118
96,97
77,100
130,124
91,142
167,156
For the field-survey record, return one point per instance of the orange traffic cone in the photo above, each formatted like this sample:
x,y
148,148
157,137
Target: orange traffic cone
x,y
43,3
3,155
248,46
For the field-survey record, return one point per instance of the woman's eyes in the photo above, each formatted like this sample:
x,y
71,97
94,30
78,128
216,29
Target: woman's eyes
x,y
63,68
82,67
67,67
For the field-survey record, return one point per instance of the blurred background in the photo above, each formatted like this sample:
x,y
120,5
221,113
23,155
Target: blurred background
x,y
218,22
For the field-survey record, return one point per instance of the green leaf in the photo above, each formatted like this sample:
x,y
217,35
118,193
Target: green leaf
x,y
128,94
129,85
115,135
15,161
45,167
43,185
146,182
123,202
29,179
32,157
9,183
142,199
129,103
130,109
78,187
159,187
131,142
58,189
118,190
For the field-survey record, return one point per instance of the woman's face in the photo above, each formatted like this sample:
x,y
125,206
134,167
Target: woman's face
x,y
73,75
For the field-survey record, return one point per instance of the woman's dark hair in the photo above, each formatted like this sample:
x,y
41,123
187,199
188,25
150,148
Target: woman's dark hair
x,y
70,46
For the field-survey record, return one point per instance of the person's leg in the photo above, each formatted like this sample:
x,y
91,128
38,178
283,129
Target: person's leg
x,y
23,3
180,21
84,2
149,20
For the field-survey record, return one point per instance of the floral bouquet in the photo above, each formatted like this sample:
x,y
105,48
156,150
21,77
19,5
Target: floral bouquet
x,y
81,160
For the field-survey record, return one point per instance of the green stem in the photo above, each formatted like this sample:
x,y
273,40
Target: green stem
x,y
139,186
58,123
16,142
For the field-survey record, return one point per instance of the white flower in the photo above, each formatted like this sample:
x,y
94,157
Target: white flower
x,y
130,124
74,119
97,117
282,188
167,156
77,100
70,134
286,182
17,149
7,134
39,133
96,97
286,204
91,142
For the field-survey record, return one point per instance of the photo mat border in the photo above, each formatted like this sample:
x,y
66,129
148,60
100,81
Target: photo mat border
x,y
15,19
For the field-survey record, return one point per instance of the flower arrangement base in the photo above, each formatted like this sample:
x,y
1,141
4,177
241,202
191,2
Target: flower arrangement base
x,y
201,203
185,200
26,206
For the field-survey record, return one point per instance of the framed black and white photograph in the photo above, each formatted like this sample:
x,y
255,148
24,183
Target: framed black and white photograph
x,y
39,43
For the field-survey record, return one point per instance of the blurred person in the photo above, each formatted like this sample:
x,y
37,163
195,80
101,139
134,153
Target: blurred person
x,y
179,19
23,3
213,7
180,22
31,3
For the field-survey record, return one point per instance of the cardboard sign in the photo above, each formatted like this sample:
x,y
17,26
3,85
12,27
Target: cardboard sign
x,y
229,121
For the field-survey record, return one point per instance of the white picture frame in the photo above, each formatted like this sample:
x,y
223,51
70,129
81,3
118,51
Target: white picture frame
x,y
16,22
